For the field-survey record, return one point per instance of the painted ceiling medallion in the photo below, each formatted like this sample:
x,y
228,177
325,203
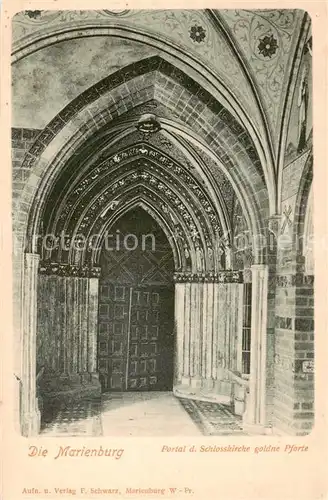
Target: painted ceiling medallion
x,y
197,33
33,14
148,124
268,46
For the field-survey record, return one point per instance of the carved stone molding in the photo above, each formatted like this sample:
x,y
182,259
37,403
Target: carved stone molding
x,y
148,161
255,411
291,280
220,277
68,270
126,75
139,172
30,415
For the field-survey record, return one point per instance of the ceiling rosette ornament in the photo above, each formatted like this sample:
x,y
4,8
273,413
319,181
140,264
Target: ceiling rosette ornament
x,y
34,17
266,38
197,33
33,14
268,46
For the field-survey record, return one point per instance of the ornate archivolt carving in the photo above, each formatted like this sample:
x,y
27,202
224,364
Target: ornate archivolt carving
x,y
211,277
146,172
129,154
112,194
184,179
68,270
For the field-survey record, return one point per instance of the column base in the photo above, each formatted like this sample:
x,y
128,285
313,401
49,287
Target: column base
x,y
239,406
208,384
31,423
185,381
256,429
223,387
196,382
200,393
70,387
278,431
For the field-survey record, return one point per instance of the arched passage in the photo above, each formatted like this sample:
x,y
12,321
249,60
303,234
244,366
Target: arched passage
x,y
78,189
219,131
192,131
136,306
215,81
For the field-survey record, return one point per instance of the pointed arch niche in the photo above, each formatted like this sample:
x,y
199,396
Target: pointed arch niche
x,y
79,189
207,296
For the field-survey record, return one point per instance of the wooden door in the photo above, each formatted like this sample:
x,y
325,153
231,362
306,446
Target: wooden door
x,y
150,352
136,315
135,343
113,325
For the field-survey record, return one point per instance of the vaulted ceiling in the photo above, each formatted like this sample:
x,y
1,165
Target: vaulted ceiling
x,y
220,83
250,51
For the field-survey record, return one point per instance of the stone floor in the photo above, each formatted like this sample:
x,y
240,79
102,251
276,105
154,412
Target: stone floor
x,y
140,414
145,414
214,419
80,418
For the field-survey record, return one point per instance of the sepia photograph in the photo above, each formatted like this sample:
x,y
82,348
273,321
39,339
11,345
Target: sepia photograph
x,y
162,224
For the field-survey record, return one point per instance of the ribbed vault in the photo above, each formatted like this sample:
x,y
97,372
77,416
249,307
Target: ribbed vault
x,y
83,132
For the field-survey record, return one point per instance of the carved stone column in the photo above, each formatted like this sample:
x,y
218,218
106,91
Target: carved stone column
x,y
186,335
30,415
196,334
208,318
93,324
204,318
215,326
179,327
255,408
208,312
71,361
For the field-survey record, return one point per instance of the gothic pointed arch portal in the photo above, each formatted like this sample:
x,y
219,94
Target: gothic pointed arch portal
x,y
104,341
90,203
86,179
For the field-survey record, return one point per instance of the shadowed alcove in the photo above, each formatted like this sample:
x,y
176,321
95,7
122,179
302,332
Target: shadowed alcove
x,y
136,306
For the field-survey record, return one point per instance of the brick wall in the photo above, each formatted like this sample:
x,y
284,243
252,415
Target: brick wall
x,y
294,310
294,394
270,353
136,84
22,139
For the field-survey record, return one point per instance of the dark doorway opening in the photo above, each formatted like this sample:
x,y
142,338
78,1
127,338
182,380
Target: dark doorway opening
x,y
136,307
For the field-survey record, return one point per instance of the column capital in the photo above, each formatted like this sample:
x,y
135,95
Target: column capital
x,y
259,267
273,220
255,410
32,257
68,270
93,285
30,418
224,276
